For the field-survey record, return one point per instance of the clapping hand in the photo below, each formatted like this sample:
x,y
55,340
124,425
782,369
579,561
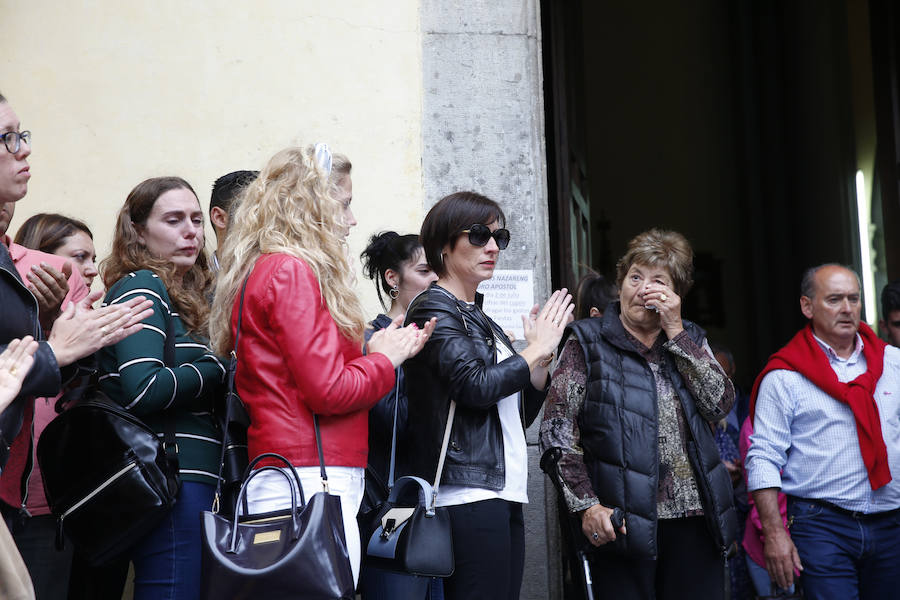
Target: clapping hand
x,y
81,330
399,343
49,287
543,331
15,362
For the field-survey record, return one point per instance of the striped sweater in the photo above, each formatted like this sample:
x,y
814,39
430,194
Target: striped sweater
x,y
133,373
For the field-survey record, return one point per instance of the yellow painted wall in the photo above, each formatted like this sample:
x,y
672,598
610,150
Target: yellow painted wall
x,y
116,92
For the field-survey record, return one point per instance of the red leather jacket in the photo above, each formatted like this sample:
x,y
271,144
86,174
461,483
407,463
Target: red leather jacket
x,y
293,361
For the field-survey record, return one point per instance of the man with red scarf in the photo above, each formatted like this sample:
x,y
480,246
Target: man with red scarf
x,y
826,413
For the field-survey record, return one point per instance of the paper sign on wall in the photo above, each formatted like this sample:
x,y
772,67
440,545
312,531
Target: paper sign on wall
x,y
508,295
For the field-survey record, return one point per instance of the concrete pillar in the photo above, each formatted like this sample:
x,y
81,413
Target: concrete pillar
x,y
483,130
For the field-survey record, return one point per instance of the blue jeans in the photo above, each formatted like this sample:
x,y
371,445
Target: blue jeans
x,y
845,557
167,560
377,584
762,583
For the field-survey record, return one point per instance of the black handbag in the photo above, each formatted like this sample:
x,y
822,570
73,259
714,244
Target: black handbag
x,y
409,534
108,477
298,554
233,423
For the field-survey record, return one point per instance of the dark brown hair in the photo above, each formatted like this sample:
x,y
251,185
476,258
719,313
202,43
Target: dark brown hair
x,y
449,217
48,231
129,254
594,291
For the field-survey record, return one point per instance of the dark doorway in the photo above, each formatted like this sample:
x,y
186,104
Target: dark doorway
x,y
740,124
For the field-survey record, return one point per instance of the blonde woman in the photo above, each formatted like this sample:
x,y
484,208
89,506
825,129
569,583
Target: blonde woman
x,y
301,340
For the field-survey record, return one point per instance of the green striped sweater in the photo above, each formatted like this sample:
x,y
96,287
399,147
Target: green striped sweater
x,y
133,374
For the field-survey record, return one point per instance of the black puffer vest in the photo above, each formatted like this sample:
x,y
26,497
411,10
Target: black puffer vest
x,y
619,429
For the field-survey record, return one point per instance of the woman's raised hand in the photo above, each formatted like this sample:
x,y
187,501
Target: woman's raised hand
x,y
81,330
399,343
15,362
544,328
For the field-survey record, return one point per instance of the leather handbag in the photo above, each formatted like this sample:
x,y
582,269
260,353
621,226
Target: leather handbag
x,y
108,477
298,553
409,533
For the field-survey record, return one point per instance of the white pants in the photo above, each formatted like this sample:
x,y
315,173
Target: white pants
x,y
269,491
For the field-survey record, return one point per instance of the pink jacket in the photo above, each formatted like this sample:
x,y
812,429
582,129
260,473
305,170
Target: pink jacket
x,y
12,490
753,536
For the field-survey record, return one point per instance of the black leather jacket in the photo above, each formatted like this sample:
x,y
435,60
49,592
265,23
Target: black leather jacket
x,y
20,318
459,362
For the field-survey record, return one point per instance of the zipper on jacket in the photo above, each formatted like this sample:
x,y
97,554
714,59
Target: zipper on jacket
x,y
38,333
32,448
131,466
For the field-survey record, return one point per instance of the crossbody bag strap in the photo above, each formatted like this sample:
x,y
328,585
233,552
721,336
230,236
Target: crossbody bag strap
x,y
443,455
232,368
450,414
170,442
394,432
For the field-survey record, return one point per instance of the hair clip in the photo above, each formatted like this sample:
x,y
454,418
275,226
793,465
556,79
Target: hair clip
x,y
323,157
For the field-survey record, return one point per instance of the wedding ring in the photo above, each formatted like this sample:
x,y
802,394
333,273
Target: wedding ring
x,y
13,371
595,536
103,331
663,297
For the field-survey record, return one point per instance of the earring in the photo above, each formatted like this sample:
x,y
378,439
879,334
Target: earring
x,y
394,293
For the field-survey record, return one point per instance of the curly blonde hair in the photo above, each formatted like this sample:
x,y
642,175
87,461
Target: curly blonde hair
x,y
291,209
189,292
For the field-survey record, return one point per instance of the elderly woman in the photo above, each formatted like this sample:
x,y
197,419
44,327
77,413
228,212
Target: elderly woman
x,y
630,408
497,392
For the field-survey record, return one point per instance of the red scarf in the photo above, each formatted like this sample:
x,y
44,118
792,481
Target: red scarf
x,y
804,355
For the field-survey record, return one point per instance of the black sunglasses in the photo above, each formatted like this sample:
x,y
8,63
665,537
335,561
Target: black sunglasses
x,y
479,235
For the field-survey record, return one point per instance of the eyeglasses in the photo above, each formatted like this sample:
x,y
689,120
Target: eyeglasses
x,y
15,138
479,235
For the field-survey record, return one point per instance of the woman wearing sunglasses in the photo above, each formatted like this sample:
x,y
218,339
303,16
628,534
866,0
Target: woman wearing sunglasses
x,y
497,392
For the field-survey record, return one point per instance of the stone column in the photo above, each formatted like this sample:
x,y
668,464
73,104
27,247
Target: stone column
x,y
483,130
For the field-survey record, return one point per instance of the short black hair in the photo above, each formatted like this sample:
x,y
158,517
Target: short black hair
x,y
227,187
449,217
594,290
890,299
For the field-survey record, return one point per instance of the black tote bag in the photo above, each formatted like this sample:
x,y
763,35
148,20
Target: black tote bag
x,y
298,553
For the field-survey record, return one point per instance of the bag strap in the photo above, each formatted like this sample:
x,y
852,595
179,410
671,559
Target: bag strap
x,y
390,482
232,368
450,415
440,467
170,442
321,454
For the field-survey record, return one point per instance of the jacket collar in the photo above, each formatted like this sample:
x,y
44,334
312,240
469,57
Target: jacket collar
x,y
479,297
476,313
